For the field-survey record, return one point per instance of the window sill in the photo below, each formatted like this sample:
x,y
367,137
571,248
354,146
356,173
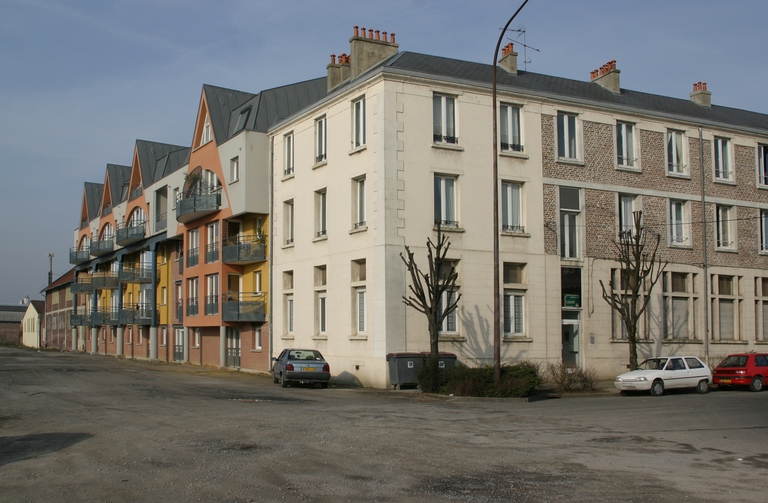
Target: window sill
x,y
761,186
516,234
626,341
735,341
256,350
288,337
683,176
321,238
234,181
513,154
629,169
448,146
289,245
358,149
320,164
681,246
358,230
358,337
572,162
724,181
682,341
516,338
451,338
761,343
726,250
574,260
449,229
287,177
319,337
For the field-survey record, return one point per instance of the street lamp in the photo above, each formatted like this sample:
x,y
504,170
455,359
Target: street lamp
x,y
496,290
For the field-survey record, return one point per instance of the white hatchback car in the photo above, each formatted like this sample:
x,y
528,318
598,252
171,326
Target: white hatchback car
x,y
657,374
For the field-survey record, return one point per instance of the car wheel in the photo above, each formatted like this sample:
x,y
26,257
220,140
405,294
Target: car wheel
x,y
702,387
324,385
275,380
283,382
756,384
657,388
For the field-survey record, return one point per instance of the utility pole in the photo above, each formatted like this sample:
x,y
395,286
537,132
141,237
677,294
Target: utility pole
x,y
50,268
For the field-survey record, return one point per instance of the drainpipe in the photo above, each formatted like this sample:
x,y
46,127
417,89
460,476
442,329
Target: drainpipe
x,y
94,328
119,307
704,234
270,296
153,301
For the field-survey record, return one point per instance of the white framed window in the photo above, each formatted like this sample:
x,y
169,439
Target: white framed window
x,y
678,220
212,295
512,207
761,309
724,227
193,247
511,134
676,153
288,167
513,312
681,304
764,231
762,165
448,326
321,208
130,335
567,144
445,201
321,140
196,337
570,209
444,119
727,307
257,281
163,336
207,134
234,169
212,246
360,309
288,221
358,200
289,314
358,123
625,145
192,302
322,312
627,208
723,169
175,197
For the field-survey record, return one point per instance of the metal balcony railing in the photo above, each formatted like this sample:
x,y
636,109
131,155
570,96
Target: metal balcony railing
x,y
136,314
105,280
135,193
77,256
161,221
244,249
211,305
197,202
80,317
102,246
180,310
136,273
244,306
192,307
211,253
130,232
82,285
193,257
104,316
106,211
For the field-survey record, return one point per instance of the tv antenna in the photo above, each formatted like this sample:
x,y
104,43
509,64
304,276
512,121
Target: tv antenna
x,y
521,31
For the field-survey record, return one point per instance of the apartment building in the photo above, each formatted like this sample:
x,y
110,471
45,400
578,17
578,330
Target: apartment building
x,y
401,144
59,304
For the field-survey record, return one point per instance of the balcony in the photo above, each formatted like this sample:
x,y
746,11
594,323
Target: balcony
x,y
77,257
136,314
104,316
136,273
82,285
80,318
102,246
212,253
197,202
135,193
193,257
161,221
244,306
104,280
180,310
244,249
130,233
211,305
192,307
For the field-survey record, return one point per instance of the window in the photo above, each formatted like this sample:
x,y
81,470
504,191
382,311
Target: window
x,y
723,217
322,320
360,309
358,276
163,336
288,222
257,281
193,242
762,165
196,337
627,214
511,140
358,123
288,142
234,169
514,299
175,196
321,229
206,132
678,233
449,323
726,307
192,297
445,201
212,247
570,207
358,198
212,295
566,136
444,119
681,303
130,335
511,207
241,120
764,230
761,309
675,151
289,314
320,140
722,161
625,144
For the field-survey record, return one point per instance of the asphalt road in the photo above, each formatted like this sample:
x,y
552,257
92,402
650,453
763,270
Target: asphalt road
x,y
77,427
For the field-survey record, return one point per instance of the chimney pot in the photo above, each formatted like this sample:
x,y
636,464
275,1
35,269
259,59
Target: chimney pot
x,y
370,32
384,36
333,59
511,47
704,86
356,32
393,37
363,32
378,35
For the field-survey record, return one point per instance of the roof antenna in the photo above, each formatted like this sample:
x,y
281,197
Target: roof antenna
x,y
525,46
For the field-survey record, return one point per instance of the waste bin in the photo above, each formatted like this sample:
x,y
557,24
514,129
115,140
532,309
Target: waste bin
x,y
404,368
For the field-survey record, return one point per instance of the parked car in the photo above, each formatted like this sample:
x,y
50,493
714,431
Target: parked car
x,y
666,372
302,366
743,369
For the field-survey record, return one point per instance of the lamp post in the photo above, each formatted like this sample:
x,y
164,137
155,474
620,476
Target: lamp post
x,y
496,290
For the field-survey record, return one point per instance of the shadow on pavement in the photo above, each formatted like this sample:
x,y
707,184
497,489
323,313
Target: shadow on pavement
x,y
23,447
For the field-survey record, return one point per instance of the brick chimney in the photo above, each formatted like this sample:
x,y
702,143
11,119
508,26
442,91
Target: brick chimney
x,y
367,49
607,76
509,59
700,95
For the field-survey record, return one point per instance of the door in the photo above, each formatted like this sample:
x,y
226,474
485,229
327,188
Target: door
x,y
676,374
571,336
233,347
178,347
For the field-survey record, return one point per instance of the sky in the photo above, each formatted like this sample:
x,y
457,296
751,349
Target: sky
x,y
81,80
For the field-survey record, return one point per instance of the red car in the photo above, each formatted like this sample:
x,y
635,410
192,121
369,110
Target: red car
x,y
744,369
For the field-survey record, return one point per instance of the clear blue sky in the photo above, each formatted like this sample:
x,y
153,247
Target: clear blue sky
x,y
81,80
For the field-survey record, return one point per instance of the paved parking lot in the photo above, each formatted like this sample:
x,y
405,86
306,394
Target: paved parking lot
x,y
79,427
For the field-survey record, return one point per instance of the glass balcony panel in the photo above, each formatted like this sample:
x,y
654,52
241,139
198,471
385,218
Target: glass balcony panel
x,y
243,306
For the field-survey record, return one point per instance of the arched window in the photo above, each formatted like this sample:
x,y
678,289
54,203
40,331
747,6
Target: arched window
x,y
107,232
137,217
85,243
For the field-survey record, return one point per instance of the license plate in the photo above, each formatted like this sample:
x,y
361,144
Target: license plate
x,y
725,381
309,369
627,386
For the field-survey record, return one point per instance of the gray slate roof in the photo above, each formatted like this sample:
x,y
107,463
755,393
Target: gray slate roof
x,y
221,103
119,178
12,313
480,73
150,153
93,193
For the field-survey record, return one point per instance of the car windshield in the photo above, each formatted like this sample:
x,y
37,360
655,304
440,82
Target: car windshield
x,y
653,364
734,361
305,354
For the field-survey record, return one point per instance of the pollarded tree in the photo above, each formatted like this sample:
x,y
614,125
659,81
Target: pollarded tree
x,y
640,269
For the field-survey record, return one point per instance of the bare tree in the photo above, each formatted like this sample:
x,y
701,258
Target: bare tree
x,y
428,287
640,269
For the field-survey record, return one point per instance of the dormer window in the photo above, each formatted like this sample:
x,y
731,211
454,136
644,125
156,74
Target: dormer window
x,y
242,119
206,132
